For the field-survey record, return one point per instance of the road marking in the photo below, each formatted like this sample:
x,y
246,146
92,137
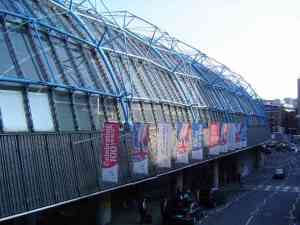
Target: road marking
x,y
268,188
249,220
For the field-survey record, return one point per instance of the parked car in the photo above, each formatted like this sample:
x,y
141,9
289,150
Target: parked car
x,y
279,174
293,147
266,150
211,197
188,213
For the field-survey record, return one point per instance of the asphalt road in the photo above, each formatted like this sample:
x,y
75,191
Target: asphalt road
x,y
265,201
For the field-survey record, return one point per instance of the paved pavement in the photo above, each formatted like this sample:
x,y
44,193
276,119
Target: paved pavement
x,y
265,201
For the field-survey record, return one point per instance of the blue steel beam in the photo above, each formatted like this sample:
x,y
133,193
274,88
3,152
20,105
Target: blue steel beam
x,y
83,41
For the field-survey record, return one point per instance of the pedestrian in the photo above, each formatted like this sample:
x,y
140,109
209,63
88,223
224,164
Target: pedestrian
x,y
164,209
143,210
240,179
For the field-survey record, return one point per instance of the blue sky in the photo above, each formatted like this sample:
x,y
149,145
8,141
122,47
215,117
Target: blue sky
x,y
260,39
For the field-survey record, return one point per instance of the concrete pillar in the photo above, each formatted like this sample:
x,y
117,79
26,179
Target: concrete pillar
x,y
260,159
104,210
216,174
179,181
32,219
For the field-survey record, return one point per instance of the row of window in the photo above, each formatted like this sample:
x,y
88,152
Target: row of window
x,y
70,66
59,111
28,55
74,68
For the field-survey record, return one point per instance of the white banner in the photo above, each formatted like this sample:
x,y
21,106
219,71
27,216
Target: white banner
x,y
111,174
165,143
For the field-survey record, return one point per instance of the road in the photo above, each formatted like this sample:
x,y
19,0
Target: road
x,y
265,200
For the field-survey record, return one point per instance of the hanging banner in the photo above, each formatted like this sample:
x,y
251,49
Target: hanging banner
x,y
110,152
214,138
165,143
243,135
184,142
206,137
140,153
153,143
237,135
231,137
224,138
197,141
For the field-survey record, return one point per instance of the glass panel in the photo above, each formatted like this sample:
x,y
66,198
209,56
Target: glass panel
x,y
25,56
158,113
64,111
121,112
66,63
7,68
136,112
82,112
110,109
92,68
133,76
142,78
40,112
97,112
81,63
91,26
12,111
48,51
148,113
167,114
152,82
174,114
121,73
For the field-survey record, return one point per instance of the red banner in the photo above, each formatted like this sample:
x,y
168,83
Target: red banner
x,y
111,142
214,137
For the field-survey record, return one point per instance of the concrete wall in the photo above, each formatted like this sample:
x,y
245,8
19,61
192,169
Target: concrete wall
x,y
257,135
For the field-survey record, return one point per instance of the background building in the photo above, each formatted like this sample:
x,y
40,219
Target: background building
x,y
282,116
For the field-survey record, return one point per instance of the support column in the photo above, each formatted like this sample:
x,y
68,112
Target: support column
x,y
104,211
179,181
260,159
216,174
32,219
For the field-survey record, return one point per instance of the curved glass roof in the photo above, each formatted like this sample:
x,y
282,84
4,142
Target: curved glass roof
x,y
73,45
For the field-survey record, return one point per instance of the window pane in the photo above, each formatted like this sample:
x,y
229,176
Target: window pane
x,y
82,112
121,112
110,109
12,111
7,67
40,112
148,113
25,56
137,113
167,114
158,113
64,112
66,63
97,112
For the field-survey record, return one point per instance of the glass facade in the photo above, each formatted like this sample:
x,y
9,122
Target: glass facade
x,y
96,84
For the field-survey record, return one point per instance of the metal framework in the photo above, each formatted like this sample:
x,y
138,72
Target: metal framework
x,y
122,40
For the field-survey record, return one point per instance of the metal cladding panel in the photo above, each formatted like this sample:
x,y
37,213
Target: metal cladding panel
x,y
85,163
257,135
64,177
96,144
36,171
12,192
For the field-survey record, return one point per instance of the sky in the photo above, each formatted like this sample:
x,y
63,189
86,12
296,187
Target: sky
x,y
259,39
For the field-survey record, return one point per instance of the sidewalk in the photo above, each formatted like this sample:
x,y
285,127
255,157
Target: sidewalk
x,y
130,216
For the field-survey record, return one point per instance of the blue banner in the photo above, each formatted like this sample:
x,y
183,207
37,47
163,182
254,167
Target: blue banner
x,y
197,141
